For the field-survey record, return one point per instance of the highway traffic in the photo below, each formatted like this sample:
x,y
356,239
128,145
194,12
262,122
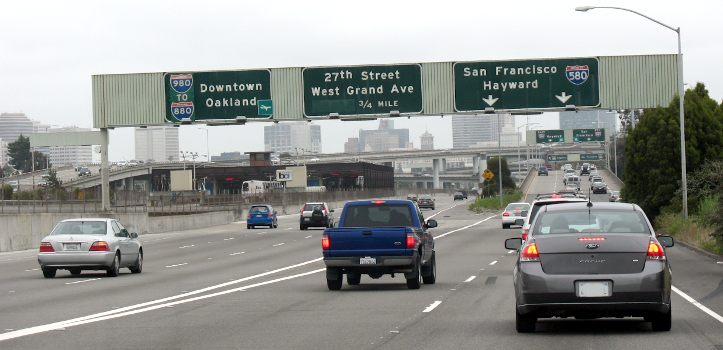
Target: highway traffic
x,y
232,287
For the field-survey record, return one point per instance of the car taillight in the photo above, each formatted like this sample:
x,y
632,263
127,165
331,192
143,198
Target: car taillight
x,y
505,214
379,202
46,247
99,246
271,215
655,251
524,235
530,253
411,241
325,242
591,239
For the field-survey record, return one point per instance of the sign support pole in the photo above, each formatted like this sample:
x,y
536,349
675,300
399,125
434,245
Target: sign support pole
x,y
104,170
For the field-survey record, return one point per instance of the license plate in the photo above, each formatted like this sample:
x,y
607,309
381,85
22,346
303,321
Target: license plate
x,y
307,219
71,246
259,215
367,261
593,289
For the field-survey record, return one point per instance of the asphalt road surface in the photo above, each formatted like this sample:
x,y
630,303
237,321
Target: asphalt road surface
x,y
227,287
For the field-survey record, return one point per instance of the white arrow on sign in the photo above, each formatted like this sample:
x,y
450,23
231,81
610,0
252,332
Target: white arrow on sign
x,y
563,97
490,100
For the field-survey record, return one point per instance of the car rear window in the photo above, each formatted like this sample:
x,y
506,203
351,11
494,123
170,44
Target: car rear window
x,y
80,228
596,222
521,206
393,215
313,206
260,209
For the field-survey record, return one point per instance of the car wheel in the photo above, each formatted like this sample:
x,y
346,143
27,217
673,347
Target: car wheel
x,y
429,272
75,272
302,227
114,269
275,225
250,227
505,226
49,272
138,266
416,281
525,323
662,322
353,279
334,283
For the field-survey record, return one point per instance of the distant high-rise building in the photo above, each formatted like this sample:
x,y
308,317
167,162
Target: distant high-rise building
x,y
483,130
351,146
588,120
67,155
157,143
427,141
3,153
292,138
384,139
12,125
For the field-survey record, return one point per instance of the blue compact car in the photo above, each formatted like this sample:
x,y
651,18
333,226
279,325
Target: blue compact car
x,y
261,215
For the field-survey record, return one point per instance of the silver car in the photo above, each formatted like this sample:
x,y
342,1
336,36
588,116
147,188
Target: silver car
x,y
590,260
90,244
514,212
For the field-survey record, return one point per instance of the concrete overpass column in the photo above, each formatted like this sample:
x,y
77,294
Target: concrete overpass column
x,y
444,164
482,163
475,165
435,173
104,178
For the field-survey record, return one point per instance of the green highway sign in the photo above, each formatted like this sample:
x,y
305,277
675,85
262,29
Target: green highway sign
x,y
587,135
266,107
227,95
557,157
594,156
526,84
549,136
362,90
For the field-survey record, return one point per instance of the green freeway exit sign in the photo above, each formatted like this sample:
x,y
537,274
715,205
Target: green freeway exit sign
x,y
587,135
550,136
362,90
557,157
217,95
530,84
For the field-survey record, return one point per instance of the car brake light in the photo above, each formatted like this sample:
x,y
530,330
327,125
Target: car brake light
x,y
411,241
325,242
99,246
46,247
505,214
377,202
530,253
271,215
591,239
655,251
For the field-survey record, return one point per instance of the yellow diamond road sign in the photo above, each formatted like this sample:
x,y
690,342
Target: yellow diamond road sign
x,y
488,175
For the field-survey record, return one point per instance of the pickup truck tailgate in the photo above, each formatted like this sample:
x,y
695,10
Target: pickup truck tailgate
x,y
360,241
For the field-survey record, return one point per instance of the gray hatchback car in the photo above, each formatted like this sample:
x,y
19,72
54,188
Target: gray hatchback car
x,y
588,260
90,244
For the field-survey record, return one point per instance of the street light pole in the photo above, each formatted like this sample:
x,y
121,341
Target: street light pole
x,y
681,99
208,152
499,154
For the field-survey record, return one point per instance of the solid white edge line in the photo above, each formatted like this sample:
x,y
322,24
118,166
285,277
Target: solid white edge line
x,y
695,303
470,279
463,228
432,306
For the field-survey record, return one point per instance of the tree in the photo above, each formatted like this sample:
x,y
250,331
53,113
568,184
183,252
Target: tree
x,y
652,149
53,181
492,187
20,157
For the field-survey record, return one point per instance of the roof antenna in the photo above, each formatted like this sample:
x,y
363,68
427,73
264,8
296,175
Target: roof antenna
x,y
589,200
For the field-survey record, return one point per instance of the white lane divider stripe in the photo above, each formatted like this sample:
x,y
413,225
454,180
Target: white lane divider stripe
x,y
279,244
237,253
432,306
443,210
464,228
494,262
695,303
470,279
228,239
83,281
176,265
32,270
510,251
309,236
187,246
289,228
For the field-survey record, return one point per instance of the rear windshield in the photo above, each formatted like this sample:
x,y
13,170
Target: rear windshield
x,y
262,209
514,207
393,215
312,206
600,222
80,228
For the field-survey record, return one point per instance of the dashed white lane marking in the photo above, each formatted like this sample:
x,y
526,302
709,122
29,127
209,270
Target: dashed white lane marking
x,y
279,244
464,228
717,262
83,281
289,228
261,233
695,303
494,262
32,270
470,279
228,239
432,306
176,265
510,251
309,236
442,211
237,253
187,246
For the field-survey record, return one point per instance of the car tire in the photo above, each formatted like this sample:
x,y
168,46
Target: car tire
x,y
138,266
429,272
353,279
302,227
505,226
75,272
334,284
525,323
416,281
49,272
114,270
663,321
249,227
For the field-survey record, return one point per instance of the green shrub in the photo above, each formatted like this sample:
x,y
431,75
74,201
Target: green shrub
x,y
7,191
494,202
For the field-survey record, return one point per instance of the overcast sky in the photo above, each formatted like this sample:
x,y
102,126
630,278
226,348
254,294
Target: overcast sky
x,y
50,49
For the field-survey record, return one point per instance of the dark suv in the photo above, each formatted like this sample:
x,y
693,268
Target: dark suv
x,y
425,201
542,171
316,215
585,170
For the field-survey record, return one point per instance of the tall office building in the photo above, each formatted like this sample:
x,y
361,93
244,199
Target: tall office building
x,y
292,138
384,139
12,125
484,130
427,141
589,120
351,146
3,153
157,143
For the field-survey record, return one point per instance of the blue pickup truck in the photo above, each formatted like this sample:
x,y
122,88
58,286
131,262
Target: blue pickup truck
x,y
380,237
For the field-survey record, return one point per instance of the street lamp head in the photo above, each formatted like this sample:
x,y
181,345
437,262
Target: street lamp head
x,y
584,8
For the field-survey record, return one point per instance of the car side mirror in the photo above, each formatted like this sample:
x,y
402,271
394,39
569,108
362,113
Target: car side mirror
x,y
520,222
513,243
666,241
431,223
134,235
